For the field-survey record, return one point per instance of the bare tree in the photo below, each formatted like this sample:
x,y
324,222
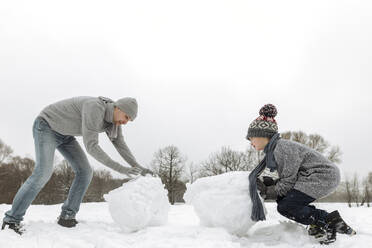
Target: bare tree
x,y
169,164
102,183
339,195
316,142
227,160
335,154
253,157
13,175
16,170
355,190
5,151
192,172
348,192
366,193
24,167
300,137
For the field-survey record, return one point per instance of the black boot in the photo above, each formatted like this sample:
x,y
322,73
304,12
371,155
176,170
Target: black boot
x,y
16,227
322,232
329,237
324,235
67,222
332,225
335,221
316,231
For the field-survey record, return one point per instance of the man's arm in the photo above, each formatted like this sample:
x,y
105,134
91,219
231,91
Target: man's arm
x,y
126,154
123,149
93,113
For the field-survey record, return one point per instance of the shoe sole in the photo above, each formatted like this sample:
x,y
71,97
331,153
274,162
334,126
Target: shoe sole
x,y
18,231
61,223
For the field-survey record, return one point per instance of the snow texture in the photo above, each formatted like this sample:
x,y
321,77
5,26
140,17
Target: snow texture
x,y
222,201
139,203
97,229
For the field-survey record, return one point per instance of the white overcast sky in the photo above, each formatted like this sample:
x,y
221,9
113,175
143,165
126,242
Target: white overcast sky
x,y
199,69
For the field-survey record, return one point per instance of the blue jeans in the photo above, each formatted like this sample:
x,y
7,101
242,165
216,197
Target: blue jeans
x,y
46,142
295,206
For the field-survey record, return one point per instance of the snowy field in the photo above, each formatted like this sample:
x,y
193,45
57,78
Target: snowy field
x,y
97,229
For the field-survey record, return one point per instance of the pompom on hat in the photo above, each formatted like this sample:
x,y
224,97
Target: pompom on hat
x,y
265,125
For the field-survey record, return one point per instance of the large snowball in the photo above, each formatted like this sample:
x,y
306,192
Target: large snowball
x,y
222,201
139,203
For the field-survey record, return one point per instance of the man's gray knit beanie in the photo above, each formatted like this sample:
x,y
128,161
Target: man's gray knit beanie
x,y
128,105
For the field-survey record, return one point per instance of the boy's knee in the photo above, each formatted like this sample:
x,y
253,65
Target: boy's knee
x,y
286,207
282,207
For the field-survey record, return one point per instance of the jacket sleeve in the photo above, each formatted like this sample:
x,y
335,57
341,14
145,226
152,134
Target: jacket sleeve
x,y
124,150
288,161
92,115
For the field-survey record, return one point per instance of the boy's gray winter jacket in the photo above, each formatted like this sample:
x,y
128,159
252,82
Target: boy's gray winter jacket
x,y
304,169
88,116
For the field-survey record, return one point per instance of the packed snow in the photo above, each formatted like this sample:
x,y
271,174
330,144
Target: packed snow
x,y
139,203
222,201
97,229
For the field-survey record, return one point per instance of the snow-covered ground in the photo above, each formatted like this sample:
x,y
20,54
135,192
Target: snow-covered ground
x,y
97,229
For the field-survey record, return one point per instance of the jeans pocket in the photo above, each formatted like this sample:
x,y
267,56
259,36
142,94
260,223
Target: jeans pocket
x,y
41,124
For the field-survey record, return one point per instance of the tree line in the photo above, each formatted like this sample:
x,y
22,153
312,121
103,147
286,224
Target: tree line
x,y
175,171
14,170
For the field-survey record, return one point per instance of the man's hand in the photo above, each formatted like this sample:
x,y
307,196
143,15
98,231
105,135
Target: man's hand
x,y
145,171
133,171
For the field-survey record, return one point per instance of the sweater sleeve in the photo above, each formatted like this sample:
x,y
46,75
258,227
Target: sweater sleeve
x,y
92,115
123,149
288,161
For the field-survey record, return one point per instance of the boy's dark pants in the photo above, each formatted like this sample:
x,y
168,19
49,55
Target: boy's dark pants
x,y
295,206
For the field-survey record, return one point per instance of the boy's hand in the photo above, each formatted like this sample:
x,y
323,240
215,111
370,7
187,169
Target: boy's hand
x,y
271,193
268,181
261,187
266,192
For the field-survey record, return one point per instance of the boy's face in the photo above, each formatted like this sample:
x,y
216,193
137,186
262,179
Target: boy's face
x,y
120,118
259,143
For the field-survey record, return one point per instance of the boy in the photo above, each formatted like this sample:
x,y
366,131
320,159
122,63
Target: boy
x,y
304,176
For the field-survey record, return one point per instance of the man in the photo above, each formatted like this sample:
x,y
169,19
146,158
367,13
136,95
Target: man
x,y
305,175
55,128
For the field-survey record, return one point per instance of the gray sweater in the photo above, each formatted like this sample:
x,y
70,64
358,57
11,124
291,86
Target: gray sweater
x,y
304,169
88,116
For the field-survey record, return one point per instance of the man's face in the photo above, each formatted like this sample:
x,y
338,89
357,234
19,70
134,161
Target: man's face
x,y
120,117
259,143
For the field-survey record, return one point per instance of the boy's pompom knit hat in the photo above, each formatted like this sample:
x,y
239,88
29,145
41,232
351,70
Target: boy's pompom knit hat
x,y
265,125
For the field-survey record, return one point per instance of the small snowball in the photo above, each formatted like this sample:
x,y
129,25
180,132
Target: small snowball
x,y
139,203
